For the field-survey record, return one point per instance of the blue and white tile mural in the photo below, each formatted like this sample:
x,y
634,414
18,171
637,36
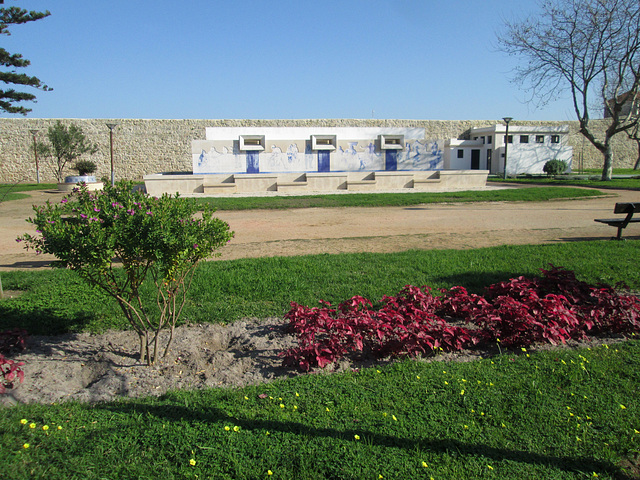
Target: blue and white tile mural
x,y
289,150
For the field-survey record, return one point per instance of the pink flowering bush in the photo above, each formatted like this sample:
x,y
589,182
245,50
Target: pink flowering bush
x,y
517,312
163,239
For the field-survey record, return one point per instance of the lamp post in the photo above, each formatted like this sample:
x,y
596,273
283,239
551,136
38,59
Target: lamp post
x,y
506,144
111,127
35,152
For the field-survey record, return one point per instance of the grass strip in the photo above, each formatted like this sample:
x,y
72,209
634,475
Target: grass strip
x,y
561,414
13,191
398,199
616,183
58,301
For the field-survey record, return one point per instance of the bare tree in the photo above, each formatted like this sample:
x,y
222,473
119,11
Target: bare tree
x,y
633,108
590,48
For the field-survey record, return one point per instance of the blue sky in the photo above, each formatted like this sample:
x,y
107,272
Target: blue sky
x,y
276,59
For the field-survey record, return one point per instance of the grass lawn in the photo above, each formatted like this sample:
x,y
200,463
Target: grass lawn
x,y
10,192
564,414
550,414
616,183
224,291
540,194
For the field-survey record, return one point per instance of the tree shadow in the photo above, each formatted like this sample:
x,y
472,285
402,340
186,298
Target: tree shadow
x,y
43,321
179,413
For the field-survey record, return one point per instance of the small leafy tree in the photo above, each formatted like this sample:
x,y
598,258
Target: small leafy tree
x,y
160,239
65,144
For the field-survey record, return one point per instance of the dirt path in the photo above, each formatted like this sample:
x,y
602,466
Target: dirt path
x,y
103,367
260,233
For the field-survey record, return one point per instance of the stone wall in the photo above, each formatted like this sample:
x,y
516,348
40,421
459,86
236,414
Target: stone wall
x,y
143,147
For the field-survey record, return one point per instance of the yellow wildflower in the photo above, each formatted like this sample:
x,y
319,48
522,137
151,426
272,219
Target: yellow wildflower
x,y
394,417
424,464
236,428
227,428
192,462
357,437
32,425
24,421
269,472
45,427
25,446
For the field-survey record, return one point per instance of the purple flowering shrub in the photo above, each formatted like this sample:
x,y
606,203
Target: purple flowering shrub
x,y
94,233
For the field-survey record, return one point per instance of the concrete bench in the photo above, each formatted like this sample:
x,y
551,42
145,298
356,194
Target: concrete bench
x,y
622,208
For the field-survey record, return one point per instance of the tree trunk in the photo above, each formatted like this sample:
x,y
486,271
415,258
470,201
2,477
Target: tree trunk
x,y
637,165
607,169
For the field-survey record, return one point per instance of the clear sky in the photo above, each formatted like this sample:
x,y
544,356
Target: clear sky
x,y
274,59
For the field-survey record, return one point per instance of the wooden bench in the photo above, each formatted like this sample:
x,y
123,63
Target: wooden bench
x,y
622,208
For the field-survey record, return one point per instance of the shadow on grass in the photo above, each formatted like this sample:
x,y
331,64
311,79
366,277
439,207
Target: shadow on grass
x,y
178,413
28,265
45,321
612,237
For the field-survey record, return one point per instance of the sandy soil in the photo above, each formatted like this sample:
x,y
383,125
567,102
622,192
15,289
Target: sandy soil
x,y
102,367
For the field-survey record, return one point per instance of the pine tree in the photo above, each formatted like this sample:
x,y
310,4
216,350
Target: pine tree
x,y
9,96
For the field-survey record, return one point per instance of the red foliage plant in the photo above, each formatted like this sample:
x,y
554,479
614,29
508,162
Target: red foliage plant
x,y
9,372
11,340
518,312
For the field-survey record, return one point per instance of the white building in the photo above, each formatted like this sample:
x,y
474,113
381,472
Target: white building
x,y
529,148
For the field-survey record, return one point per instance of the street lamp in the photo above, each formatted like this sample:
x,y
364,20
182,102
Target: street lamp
x,y
506,144
35,152
111,127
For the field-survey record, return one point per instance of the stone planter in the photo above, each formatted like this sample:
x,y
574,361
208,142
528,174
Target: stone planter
x,y
72,182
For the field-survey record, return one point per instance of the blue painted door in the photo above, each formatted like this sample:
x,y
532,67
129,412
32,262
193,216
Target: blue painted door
x,y
253,164
391,160
324,160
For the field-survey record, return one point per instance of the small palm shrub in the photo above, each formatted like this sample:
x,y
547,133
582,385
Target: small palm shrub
x,y
85,167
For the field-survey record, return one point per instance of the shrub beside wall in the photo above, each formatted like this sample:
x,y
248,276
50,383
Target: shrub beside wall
x,y
143,147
